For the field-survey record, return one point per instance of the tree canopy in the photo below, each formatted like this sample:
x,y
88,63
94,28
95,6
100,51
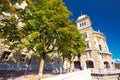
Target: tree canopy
x,y
41,26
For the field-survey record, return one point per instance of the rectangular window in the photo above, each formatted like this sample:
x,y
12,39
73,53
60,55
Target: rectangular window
x,y
80,25
88,54
87,45
85,23
84,35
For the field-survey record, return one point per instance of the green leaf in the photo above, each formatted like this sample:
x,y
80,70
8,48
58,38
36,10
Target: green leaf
x,y
32,22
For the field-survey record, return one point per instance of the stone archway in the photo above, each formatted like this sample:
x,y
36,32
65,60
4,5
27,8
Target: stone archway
x,y
106,64
77,64
89,64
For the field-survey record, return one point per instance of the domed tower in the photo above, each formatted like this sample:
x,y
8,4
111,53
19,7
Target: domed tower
x,y
97,52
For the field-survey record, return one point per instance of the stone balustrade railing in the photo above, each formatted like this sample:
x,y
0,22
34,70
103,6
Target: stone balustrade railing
x,y
105,71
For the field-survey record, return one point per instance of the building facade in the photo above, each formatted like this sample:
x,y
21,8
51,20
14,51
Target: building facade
x,y
97,52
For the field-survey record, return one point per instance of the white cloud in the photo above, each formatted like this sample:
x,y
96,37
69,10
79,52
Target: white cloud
x,y
116,60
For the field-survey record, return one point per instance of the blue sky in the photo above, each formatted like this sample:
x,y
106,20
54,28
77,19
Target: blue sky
x,y
104,14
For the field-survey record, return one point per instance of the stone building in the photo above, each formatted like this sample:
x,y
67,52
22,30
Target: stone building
x,y
97,52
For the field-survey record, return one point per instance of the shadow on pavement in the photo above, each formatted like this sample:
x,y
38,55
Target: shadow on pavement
x,y
6,74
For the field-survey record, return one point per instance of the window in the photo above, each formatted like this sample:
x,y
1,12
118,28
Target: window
x,y
88,55
85,23
84,35
52,60
87,45
80,25
112,63
5,55
100,47
106,48
58,62
22,58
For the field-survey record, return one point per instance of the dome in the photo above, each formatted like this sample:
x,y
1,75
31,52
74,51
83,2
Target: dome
x,y
81,17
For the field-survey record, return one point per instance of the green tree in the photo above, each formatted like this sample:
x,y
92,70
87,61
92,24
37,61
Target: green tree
x,y
117,65
75,48
42,26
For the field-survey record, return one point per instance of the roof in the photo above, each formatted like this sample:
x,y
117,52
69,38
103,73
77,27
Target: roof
x,y
81,17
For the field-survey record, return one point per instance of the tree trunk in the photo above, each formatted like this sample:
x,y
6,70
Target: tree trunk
x,y
71,67
60,70
41,68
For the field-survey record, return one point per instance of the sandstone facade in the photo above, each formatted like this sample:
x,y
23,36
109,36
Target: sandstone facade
x,y
97,54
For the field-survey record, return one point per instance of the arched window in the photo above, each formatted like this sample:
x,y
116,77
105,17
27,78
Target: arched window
x,y
106,64
100,47
77,64
89,64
